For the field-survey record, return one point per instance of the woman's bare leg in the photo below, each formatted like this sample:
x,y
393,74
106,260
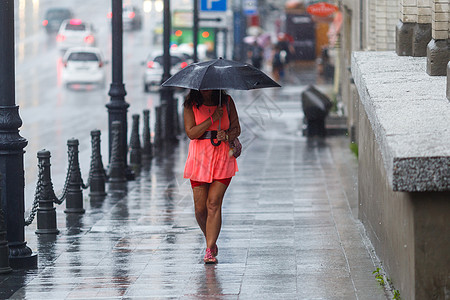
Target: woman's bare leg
x,y
214,212
201,212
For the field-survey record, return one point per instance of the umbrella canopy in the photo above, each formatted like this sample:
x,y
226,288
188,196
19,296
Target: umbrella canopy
x,y
220,74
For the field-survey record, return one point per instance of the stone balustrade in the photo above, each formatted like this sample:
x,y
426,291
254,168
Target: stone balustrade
x,y
437,50
404,169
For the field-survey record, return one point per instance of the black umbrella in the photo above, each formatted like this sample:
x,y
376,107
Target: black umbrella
x,y
220,74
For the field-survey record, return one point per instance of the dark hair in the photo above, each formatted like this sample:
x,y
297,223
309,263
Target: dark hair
x,y
195,97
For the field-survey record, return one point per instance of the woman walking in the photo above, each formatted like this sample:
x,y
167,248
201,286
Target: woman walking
x,y
209,167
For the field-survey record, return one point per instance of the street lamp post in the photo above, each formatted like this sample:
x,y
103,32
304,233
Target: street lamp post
x,y
243,31
195,29
117,107
11,147
240,27
166,93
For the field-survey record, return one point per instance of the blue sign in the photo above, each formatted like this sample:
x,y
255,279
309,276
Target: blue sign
x,y
213,5
250,7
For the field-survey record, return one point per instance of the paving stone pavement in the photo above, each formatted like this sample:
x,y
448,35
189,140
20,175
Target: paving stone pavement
x,y
290,228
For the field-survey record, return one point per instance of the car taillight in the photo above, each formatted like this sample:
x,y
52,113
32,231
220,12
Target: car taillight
x,y
89,39
131,15
150,64
184,64
100,64
45,22
110,15
60,37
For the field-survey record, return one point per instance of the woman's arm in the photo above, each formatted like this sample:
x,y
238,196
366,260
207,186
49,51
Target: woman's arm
x,y
235,128
194,131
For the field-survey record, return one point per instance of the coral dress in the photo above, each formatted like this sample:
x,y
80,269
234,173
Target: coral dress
x,y
205,161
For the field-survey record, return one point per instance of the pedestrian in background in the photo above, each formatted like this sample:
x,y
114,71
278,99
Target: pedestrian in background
x,y
209,167
256,55
287,50
277,63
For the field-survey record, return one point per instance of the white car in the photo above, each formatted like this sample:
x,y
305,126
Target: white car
x,y
83,65
155,67
131,17
75,33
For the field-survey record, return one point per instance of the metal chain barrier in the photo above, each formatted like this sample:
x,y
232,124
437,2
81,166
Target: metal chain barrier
x,y
60,200
37,194
44,196
39,188
95,148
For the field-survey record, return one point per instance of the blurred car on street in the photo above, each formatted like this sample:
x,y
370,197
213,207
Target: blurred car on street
x,y
131,17
75,33
202,50
83,65
54,17
155,67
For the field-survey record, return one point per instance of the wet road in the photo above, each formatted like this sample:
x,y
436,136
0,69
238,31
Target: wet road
x,y
52,114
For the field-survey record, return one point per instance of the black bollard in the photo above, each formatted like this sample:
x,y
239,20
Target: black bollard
x,y
4,249
164,127
176,120
117,172
74,198
97,175
158,127
135,145
147,148
46,212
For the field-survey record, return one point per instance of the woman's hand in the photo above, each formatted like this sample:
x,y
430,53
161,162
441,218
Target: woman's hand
x,y
222,135
218,113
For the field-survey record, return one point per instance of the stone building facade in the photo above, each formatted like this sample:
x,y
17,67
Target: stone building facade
x,y
393,61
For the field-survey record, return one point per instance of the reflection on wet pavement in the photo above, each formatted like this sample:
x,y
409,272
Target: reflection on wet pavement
x,y
288,231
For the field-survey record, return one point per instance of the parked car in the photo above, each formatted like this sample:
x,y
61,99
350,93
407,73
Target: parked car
x,y
54,17
83,65
154,67
131,17
75,33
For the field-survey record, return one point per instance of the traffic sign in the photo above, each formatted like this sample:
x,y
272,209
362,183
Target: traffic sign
x,y
214,19
250,7
213,5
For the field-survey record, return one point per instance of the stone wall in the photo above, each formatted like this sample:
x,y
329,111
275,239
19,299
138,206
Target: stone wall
x,y
382,18
371,26
409,231
413,31
438,53
405,213
400,118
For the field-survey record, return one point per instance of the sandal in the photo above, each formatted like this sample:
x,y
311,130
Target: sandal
x,y
209,258
214,250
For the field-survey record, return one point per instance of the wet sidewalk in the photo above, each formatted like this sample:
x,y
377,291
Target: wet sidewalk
x,y
290,228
